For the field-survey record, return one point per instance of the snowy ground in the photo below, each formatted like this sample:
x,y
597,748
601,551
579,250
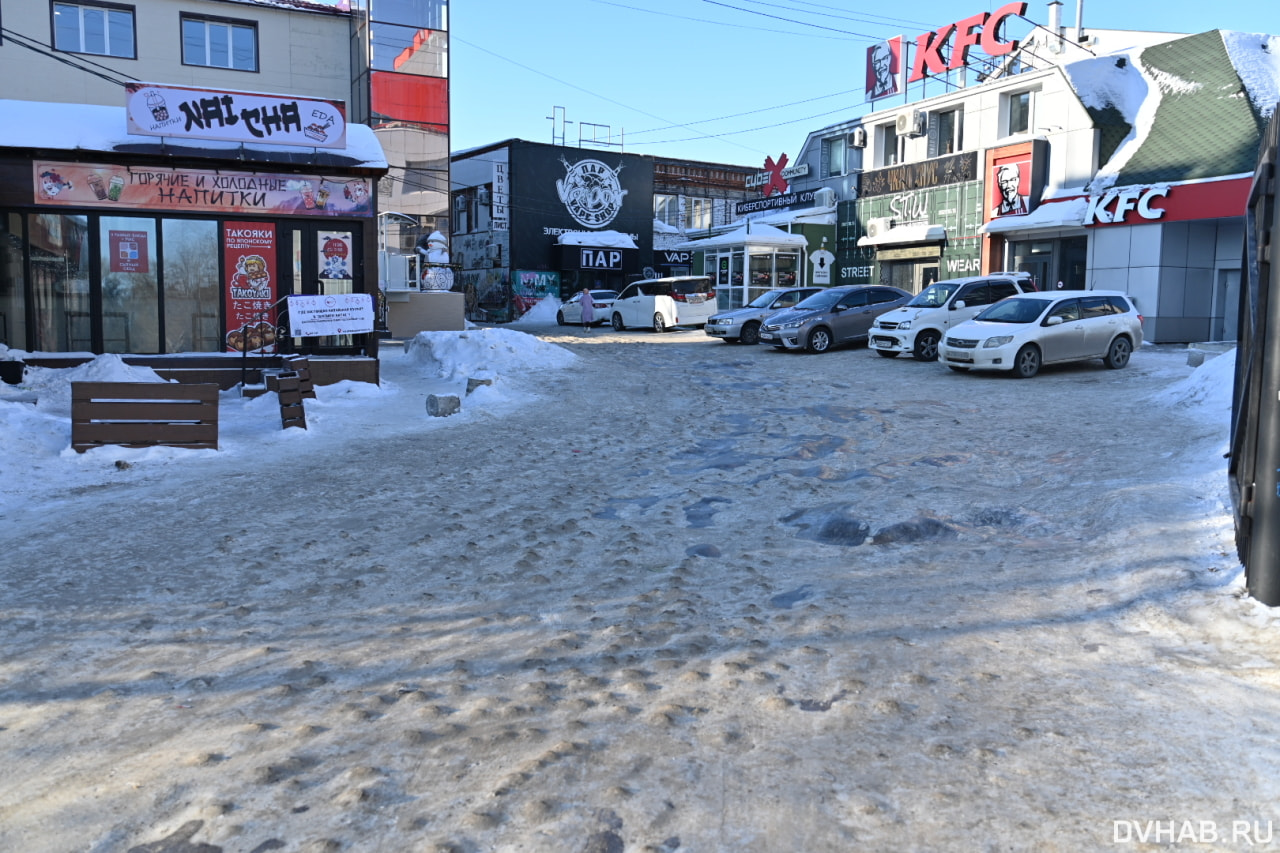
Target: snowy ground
x,y
645,593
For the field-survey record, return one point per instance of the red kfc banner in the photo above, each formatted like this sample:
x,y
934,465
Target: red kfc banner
x,y
249,254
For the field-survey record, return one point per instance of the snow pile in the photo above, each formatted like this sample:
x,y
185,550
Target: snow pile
x,y
1206,392
1256,58
52,386
542,313
481,353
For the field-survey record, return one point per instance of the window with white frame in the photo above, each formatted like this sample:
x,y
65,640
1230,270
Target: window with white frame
x,y
1017,113
219,43
887,145
105,29
834,159
698,214
666,209
944,131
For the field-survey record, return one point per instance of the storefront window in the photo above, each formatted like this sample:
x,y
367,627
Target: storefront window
x,y
130,292
60,282
787,269
761,275
13,323
191,293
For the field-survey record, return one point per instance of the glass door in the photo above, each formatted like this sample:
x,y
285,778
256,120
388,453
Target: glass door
x,y
322,260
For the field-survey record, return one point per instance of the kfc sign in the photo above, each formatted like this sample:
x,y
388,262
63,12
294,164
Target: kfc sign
x,y
1112,207
981,30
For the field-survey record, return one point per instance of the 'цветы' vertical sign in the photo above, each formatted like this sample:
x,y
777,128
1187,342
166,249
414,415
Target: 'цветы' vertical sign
x,y
250,262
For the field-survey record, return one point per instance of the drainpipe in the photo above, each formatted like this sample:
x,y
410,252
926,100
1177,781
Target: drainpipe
x,y
1055,25
1079,21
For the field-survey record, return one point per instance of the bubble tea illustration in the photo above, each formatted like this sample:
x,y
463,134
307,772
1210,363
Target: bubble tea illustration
x,y
308,195
95,184
159,109
116,186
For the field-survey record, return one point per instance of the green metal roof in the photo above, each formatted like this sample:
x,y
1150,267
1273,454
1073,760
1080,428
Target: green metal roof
x,y
1205,125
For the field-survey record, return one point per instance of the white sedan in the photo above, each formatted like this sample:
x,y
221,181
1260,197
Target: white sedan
x,y
601,302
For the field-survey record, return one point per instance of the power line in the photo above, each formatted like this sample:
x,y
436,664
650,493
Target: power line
x,y
112,76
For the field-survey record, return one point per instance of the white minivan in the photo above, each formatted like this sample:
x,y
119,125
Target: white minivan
x,y
918,326
663,303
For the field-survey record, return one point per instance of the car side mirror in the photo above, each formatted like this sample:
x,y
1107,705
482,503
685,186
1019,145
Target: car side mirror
x,y
836,309
1053,321
959,303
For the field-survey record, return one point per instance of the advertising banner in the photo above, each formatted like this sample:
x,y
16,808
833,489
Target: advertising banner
x,y
335,314
246,117
249,256
128,250
196,190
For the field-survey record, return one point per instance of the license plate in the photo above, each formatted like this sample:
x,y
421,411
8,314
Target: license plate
x,y
881,343
766,336
952,355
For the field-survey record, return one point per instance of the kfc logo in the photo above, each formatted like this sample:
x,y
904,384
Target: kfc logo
x,y
981,30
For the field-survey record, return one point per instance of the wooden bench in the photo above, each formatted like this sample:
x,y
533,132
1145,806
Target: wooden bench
x,y
143,414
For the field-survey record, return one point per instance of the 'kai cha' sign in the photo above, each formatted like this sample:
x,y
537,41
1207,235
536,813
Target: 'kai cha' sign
x,y
981,30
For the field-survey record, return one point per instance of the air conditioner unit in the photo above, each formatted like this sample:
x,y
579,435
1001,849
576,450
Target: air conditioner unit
x,y
913,123
858,139
825,197
460,203
493,252
482,195
878,226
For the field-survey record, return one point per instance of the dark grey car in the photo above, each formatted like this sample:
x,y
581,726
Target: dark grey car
x,y
831,317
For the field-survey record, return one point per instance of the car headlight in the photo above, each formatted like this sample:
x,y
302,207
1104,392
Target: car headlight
x,y
904,326
795,324
998,341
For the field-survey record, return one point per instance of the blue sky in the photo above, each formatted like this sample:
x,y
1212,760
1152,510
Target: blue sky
x,y
729,81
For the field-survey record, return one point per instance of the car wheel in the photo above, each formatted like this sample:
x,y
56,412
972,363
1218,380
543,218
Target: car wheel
x,y
819,340
617,322
1027,362
559,318
750,334
884,353
1118,355
659,322
958,369
926,348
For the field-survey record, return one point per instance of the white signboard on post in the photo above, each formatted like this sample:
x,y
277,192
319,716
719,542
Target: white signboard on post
x,y
336,314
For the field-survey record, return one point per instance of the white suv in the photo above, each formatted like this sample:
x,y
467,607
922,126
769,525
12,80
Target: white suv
x,y
918,326
661,303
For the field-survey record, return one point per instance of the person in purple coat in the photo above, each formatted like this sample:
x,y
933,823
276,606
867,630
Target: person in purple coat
x,y
588,310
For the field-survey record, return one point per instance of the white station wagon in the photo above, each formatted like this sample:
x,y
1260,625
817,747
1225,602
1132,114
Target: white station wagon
x,y
1023,332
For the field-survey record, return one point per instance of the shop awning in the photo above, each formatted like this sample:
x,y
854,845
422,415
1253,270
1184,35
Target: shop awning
x,y
1047,215
748,234
920,232
93,127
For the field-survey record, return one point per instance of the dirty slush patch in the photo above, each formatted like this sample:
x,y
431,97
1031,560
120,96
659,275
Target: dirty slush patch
x,y
694,597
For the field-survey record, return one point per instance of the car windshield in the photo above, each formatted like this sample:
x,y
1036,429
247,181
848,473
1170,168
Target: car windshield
x,y
1014,311
764,300
820,301
934,295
